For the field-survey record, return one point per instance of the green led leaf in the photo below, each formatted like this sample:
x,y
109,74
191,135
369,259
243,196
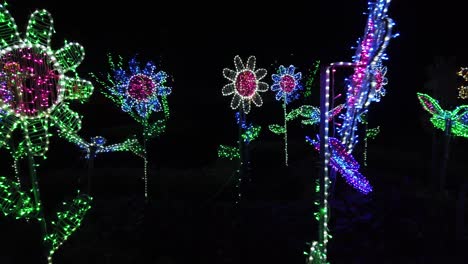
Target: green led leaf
x,y
228,152
251,133
13,201
68,221
277,129
372,133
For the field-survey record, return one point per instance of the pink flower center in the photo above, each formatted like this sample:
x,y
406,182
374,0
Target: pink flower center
x,y
379,80
287,83
140,87
246,83
28,81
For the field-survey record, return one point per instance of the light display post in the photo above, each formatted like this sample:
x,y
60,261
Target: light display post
x,y
137,91
365,86
34,95
245,85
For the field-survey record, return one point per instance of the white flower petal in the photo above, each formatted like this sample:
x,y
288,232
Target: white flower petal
x,y
236,99
251,63
262,87
257,99
229,74
260,74
228,89
238,63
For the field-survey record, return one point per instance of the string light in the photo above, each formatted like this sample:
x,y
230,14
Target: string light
x,y
456,121
463,90
368,80
344,163
137,90
34,95
68,221
310,80
245,84
287,86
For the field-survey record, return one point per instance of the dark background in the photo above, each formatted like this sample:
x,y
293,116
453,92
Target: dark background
x,y
192,217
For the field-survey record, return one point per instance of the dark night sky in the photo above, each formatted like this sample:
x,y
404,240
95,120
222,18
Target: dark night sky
x,y
194,41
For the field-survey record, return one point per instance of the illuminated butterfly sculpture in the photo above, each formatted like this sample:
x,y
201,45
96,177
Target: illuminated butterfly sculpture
x,y
456,121
344,163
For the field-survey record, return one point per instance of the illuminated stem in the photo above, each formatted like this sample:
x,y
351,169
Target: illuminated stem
x,y
36,193
285,131
90,169
145,169
443,169
241,154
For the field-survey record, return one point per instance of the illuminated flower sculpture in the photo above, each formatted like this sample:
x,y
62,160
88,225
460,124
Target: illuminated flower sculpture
x,y
368,80
245,84
286,84
454,122
138,91
33,94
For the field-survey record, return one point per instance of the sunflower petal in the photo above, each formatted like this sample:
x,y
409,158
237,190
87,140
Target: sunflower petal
x,y
246,105
8,30
40,28
235,102
262,87
65,119
257,99
229,74
260,74
251,63
228,89
70,56
238,63
77,89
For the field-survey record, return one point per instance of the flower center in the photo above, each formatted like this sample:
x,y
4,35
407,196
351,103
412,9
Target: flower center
x,y
246,83
287,83
29,84
378,80
140,87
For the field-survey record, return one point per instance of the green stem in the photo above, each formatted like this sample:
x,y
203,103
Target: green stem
x,y
36,193
285,131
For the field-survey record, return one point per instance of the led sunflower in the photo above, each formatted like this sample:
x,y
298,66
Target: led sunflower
x,y
245,84
33,85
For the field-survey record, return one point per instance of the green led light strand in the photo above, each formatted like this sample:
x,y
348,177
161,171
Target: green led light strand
x,y
310,81
228,152
140,92
455,122
371,133
15,202
34,95
68,221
